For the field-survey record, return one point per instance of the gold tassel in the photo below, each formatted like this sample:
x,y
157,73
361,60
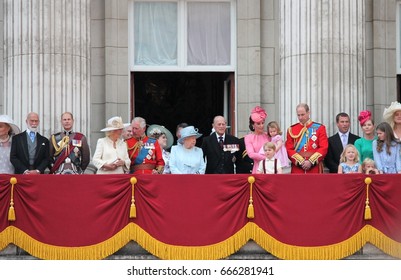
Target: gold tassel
x,y
251,212
132,212
368,212
11,211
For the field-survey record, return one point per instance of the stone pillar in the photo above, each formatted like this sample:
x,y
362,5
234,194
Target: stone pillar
x,y
322,59
47,61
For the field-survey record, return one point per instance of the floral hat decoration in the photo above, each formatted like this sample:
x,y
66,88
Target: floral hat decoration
x,y
364,116
258,114
156,130
114,123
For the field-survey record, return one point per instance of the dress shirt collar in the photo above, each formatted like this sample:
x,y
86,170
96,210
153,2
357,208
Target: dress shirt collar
x,y
224,137
68,133
28,131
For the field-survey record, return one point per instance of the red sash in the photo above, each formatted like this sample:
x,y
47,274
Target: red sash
x,y
63,155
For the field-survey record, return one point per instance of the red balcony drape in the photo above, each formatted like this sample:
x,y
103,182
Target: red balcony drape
x,y
318,216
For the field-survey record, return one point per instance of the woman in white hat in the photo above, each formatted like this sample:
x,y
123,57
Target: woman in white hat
x,y
165,139
392,116
111,155
7,130
187,158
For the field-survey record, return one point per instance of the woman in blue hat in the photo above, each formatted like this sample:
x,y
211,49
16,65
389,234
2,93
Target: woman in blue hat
x,y
187,158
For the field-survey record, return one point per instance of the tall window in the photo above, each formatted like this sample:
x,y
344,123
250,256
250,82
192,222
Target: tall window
x,y
185,35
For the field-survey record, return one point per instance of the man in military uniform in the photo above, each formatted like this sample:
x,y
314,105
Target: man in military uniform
x,y
306,143
69,150
145,152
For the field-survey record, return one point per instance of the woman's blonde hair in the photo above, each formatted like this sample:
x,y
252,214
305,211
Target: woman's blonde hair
x,y
343,157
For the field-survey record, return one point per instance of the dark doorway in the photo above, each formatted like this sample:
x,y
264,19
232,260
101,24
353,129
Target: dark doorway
x,y
169,98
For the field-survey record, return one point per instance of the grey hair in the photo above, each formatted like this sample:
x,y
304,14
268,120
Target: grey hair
x,y
141,121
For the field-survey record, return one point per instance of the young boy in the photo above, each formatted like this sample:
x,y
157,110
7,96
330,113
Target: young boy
x,y
368,166
270,165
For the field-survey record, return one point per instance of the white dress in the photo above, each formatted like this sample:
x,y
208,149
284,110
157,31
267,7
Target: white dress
x,y
106,153
187,161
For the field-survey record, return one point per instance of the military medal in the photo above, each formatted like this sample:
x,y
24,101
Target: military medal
x,y
76,151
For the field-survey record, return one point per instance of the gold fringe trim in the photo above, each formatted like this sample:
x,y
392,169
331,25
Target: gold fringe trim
x,y
214,251
329,252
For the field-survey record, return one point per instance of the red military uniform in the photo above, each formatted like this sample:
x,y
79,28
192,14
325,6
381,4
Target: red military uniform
x,y
146,155
307,142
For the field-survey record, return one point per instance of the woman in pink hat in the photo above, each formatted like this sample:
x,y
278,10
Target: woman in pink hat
x,y
255,140
364,144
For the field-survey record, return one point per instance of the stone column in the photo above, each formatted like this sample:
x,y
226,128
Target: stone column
x,y
47,61
322,59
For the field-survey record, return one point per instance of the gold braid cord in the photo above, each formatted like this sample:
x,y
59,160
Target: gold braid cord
x,y
315,157
137,146
368,213
11,210
251,212
132,212
64,143
298,158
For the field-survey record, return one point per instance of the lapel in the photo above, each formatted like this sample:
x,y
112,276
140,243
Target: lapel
x,y
38,144
215,143
24,144
339,143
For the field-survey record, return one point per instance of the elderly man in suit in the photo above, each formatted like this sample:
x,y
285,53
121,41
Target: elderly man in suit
x,y
338,141
30,150
220,149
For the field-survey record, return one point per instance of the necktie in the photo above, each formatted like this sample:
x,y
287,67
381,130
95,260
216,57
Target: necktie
x,y
221,143
32,136
344,139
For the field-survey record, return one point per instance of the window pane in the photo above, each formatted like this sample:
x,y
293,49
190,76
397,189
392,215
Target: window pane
x,y
155,33
209,33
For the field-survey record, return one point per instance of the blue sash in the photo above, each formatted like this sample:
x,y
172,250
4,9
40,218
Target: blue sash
x,y
144,152
311,131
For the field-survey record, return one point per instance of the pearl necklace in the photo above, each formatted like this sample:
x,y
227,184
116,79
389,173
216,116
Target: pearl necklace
x,y
4,141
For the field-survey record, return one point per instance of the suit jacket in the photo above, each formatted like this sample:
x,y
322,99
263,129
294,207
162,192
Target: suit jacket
x,y
19,155
219,161
244,164
332,159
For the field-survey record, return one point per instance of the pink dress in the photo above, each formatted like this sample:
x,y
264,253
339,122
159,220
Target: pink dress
x,y
281,154
253,143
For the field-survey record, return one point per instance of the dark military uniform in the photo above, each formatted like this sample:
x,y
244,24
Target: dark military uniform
x,y
69,153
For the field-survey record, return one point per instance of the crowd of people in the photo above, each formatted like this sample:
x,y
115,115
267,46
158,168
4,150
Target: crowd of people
x,y
138,148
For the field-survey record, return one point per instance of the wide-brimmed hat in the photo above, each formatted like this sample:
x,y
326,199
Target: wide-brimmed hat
x,y
389,112
115,123
156,130
187,132
6,119
258,114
